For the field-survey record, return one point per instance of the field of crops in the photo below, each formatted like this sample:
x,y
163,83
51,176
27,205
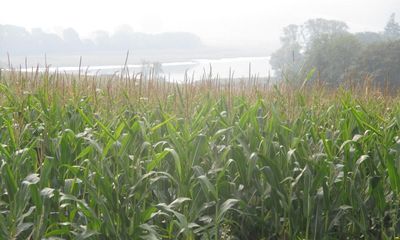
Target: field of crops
x,y
86,157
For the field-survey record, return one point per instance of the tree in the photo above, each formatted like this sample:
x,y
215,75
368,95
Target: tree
x,y
101,39
392,28
13,39
21,42
290,35
72,41
297,40
327,46
288,59
382,60
315,28
333,56
369,37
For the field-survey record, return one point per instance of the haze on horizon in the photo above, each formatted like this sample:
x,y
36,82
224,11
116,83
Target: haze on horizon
x,y
223,23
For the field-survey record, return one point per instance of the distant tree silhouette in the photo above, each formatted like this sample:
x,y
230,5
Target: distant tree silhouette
x,y
392,28
18,41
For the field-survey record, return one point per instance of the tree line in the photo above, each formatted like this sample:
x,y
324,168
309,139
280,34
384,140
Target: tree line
x,y
19,41
335,55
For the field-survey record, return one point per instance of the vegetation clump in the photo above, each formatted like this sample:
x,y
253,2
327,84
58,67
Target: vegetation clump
x,y
339,55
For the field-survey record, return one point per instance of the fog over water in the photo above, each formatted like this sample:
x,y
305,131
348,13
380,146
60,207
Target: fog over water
x,y
248,24
176,33
197,69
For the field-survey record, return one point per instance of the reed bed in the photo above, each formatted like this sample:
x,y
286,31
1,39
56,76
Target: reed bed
x,y
124,157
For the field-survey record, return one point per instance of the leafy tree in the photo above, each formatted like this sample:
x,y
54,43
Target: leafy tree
x,y
290,35
333,56
382,60
288,59
296,41
315,28
369,37
392,28
13,36
327,46
70,35
19,41
102,39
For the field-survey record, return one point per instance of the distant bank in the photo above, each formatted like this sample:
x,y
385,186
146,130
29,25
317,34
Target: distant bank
x,y
196,69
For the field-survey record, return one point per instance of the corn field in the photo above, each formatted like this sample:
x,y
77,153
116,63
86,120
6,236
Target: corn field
x,y
118,157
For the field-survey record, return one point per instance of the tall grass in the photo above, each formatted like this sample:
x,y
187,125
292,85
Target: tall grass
x,y
86,157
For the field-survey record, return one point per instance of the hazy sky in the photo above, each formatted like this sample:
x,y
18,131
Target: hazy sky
x,y
247,23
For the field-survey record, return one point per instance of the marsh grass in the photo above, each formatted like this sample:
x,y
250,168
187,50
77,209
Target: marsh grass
x,y
123,157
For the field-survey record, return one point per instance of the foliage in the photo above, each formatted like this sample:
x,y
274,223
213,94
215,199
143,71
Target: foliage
x,y
333,56
338,55
14,40
298,41
157,160
392,28
316,28
383,61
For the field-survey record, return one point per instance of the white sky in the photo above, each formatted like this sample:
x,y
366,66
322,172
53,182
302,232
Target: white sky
x,y
246,23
